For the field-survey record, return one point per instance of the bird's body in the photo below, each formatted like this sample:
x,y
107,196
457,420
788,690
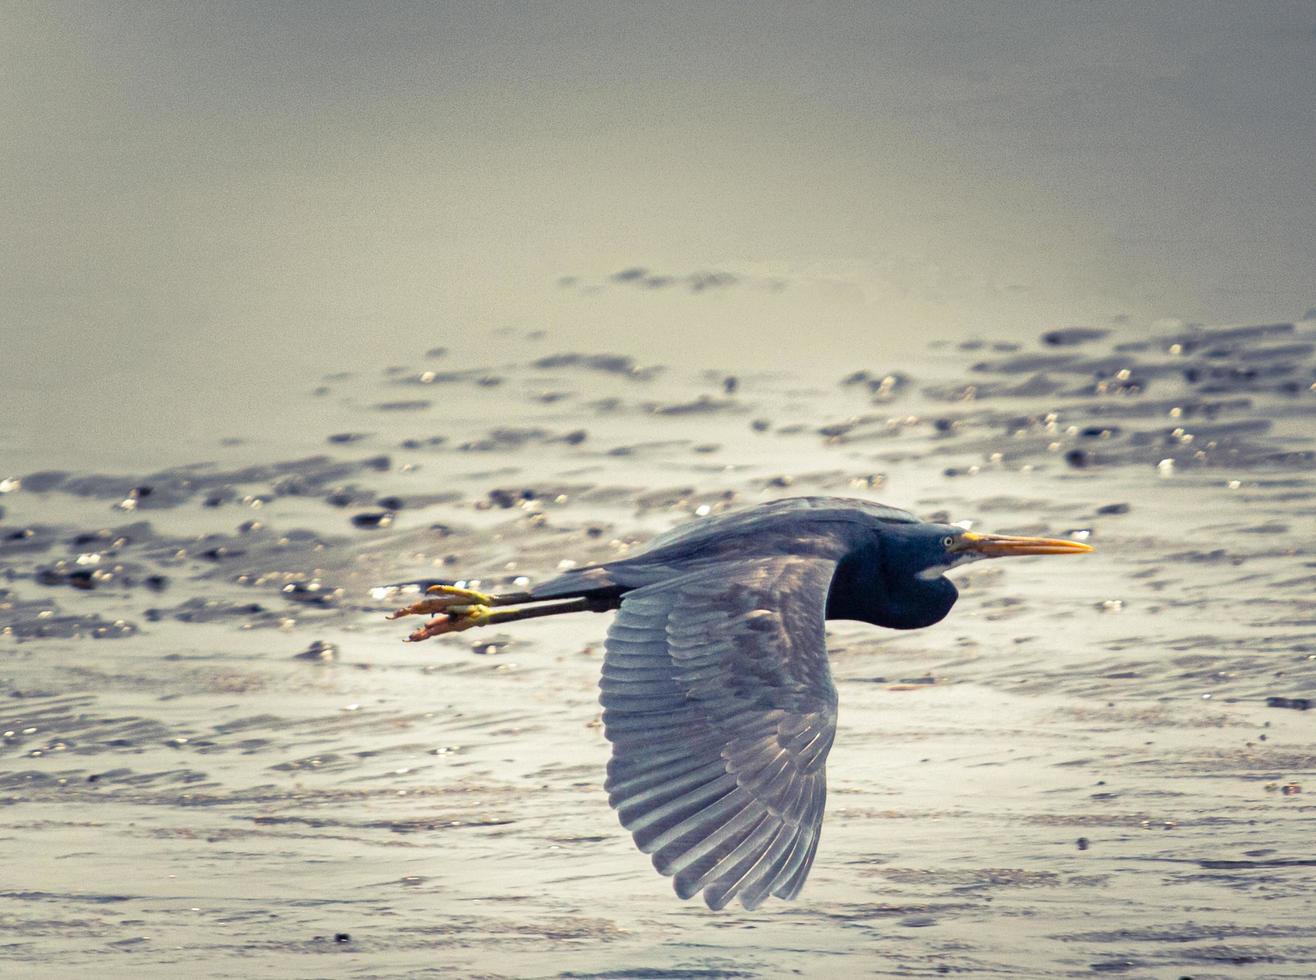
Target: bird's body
x,y
853,535
717,695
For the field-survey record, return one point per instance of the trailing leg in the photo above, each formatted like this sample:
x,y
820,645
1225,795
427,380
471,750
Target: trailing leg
x,y
443,597
461,609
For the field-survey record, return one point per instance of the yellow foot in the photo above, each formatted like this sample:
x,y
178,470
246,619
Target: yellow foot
x,y
456,619
442,598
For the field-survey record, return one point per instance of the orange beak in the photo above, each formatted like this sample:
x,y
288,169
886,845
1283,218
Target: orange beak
x,y
1006,546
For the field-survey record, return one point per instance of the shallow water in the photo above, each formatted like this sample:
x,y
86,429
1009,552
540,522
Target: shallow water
x,y
218,756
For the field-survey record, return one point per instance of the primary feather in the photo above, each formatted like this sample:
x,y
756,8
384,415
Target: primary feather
x,y
720,708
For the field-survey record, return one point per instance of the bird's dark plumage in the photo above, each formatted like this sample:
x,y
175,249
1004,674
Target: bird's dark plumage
x,y
717,695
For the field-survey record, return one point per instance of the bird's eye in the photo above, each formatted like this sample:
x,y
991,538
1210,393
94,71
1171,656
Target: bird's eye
x,y
947,541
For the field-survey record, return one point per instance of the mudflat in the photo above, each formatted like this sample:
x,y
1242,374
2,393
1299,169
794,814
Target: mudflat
x,y
220,760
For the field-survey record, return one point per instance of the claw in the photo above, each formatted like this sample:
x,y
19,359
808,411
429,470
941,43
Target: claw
x,y
466,596
442,598
456,619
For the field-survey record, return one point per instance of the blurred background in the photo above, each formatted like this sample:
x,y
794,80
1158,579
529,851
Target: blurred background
x,y
204,200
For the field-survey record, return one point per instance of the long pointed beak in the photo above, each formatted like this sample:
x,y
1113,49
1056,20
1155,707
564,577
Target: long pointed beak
x,y
1005,545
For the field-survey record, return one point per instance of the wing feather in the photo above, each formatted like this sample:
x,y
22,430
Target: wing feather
x,y
720,708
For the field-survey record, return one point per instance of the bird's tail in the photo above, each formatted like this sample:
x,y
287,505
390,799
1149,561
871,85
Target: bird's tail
x,y
592,581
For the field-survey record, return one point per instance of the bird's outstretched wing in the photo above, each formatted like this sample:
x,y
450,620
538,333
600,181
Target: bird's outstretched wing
x,y
720,708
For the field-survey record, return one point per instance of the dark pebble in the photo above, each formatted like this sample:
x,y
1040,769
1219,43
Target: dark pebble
x,y
1072,336
219,553
156,583
342,937
730,383
1078,458
342,437
390,503
318,652
760,425
1111,509
1297,704
503,498
1082,843
339,498
381,519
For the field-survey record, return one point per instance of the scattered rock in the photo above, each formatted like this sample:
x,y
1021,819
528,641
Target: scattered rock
x,y
1297,704
1113,509
318,652
1072,336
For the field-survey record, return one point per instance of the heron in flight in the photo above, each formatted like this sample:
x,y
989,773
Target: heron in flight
x,y
716,692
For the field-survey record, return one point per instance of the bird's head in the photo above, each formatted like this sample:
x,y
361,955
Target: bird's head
x,y
916,557
940,547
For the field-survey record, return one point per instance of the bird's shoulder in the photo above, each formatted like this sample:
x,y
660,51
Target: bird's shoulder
x,y
787,521
793,528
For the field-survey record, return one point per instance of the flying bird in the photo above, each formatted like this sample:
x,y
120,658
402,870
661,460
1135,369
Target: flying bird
x,y
717,695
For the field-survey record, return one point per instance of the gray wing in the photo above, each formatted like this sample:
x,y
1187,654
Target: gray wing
x,y
719,704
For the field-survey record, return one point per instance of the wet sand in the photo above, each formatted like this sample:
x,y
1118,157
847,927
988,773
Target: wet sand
x,y
219,759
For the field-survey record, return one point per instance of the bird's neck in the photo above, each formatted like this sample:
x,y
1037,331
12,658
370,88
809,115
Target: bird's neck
x,y
865,589
920,603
